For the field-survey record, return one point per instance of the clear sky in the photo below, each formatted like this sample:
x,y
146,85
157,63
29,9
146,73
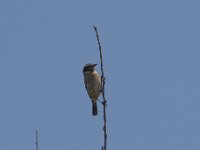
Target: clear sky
x,y
151,51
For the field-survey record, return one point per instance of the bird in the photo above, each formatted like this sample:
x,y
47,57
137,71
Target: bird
x,y
92,81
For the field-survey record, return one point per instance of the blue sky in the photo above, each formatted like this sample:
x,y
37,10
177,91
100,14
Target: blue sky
x,y
151,63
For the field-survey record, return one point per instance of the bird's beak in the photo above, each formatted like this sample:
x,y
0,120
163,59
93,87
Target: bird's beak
x,y
94,65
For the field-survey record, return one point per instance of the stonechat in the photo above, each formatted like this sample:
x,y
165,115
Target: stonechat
x,y
93,86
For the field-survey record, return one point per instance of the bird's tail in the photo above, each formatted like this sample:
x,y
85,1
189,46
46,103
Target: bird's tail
x,y
94,108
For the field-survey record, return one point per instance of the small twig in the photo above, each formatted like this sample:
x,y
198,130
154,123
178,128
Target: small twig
x,y
104,147
36,143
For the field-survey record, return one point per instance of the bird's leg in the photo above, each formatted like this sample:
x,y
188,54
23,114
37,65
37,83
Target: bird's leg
x,y
103,103
100,101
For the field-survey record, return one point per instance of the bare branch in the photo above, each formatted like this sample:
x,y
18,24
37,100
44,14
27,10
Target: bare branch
x,y
36,143
104,147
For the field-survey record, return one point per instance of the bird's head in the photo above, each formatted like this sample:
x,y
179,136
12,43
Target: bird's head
x,y
89,67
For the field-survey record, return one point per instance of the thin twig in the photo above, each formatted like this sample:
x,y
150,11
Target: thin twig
x,y
36,143
104,147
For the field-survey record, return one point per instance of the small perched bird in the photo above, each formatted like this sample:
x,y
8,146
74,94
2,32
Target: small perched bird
x,y
93,86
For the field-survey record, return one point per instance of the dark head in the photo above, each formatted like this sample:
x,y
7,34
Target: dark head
x,y
89,67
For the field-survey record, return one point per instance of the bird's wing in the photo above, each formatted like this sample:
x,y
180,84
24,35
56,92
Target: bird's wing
x,y
85,84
